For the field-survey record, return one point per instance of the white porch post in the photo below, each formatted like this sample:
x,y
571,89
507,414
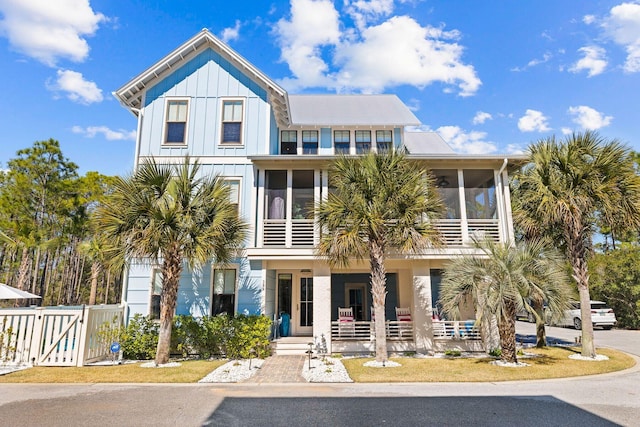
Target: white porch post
x,y
422,310
464,223
322,302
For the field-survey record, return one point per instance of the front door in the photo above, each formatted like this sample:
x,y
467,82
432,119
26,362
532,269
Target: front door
x,y
295,299
304,307
356,298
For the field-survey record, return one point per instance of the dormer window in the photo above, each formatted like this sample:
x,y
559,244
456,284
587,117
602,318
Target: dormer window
x,y
288,142
176,121
309,142
232,122
363,141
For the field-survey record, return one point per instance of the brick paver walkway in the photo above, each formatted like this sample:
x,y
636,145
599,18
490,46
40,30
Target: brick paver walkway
x,y
280,369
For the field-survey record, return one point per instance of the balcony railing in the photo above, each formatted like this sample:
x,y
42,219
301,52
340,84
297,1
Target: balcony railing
x,y
365,331
301,233
448,330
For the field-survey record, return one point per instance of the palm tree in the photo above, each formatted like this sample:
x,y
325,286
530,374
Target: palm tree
x,y
378,203
566,189
501,282
171,213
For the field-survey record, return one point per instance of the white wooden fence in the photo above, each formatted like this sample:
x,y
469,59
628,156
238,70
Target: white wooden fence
x,y
56,336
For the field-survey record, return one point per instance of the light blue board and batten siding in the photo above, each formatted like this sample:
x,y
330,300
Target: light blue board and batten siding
x,y
204,80
194,292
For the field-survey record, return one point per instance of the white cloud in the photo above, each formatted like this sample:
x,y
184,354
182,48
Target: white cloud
x,y
313,24
588,19
49,30
593,61
623,26
589,118
481,117
111,135
319,55
231,33
536,61
466,142
76,87
566,131
533,121
362,11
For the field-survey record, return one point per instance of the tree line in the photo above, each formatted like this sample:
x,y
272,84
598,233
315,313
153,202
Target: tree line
x,y
47,241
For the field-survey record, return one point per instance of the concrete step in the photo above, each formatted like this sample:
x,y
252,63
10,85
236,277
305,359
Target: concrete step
x,y
288,346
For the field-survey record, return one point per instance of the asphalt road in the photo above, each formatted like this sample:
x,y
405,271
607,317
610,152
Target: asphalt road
x,y
602,400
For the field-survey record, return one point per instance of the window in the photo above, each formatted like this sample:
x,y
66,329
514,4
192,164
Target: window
x,y
363,141
288,142
383,140
341,141
309,142
232,122
275,193
480,194
234,194
156,291
176,122
224,291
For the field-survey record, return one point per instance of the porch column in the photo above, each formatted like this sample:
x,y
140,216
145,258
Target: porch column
x,y
422,310
322,302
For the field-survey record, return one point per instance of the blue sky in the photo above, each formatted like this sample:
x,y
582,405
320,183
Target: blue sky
x,y
489,76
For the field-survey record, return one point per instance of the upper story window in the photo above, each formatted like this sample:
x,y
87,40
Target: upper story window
x,y
383,140
480,194
341,141
363,141
176,121
232,121
288,142
309,142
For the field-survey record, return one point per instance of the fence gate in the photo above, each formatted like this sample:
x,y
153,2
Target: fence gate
x,y
56,336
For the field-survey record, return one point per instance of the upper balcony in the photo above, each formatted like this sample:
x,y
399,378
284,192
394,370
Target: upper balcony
x,y
475,207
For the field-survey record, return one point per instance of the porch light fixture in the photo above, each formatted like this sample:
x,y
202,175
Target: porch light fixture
x,y
442,182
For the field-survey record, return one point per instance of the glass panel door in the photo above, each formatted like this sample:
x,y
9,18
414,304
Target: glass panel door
x,y
356,298
306,303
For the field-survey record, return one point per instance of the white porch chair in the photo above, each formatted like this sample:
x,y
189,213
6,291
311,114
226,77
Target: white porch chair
x,y
346,325
403,316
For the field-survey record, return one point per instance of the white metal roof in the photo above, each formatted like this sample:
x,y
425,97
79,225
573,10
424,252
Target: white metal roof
x,y
426,143
350,110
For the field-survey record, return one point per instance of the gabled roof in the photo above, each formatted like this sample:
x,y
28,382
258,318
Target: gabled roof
x,y
350,110
130,95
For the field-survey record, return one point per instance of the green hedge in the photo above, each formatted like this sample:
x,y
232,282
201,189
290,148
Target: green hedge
x,y
237,337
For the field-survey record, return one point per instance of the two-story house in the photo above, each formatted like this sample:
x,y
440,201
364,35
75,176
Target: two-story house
x,y
206,101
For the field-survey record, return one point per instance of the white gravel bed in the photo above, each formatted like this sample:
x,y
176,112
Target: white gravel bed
x,y
598,358
329,370
233,371
387,364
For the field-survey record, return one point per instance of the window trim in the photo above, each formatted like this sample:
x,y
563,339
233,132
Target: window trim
x,y
240,143
348,150
156,269
356,142
236,268
239,180
317,142
165,127
295,151
390,142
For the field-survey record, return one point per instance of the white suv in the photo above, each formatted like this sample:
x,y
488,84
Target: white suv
x,y
601,315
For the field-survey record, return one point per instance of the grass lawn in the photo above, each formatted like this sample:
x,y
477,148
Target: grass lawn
x,y
189,372
552,362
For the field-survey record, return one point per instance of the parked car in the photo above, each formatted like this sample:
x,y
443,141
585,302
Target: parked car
x,y
601,316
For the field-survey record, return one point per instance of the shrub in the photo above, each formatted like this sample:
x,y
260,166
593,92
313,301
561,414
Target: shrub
x,y
139,339
453,353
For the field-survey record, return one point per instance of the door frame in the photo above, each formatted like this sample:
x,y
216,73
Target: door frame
x,y
365,302
295,329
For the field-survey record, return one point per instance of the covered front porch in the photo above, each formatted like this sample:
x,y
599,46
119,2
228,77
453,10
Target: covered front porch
x,y
310,300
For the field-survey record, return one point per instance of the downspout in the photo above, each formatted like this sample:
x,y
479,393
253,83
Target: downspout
x,y
139,113
503,206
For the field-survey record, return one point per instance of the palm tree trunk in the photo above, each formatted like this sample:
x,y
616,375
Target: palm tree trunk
x,y
171,269
577,249
541,333
507,331
379,294
95,272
